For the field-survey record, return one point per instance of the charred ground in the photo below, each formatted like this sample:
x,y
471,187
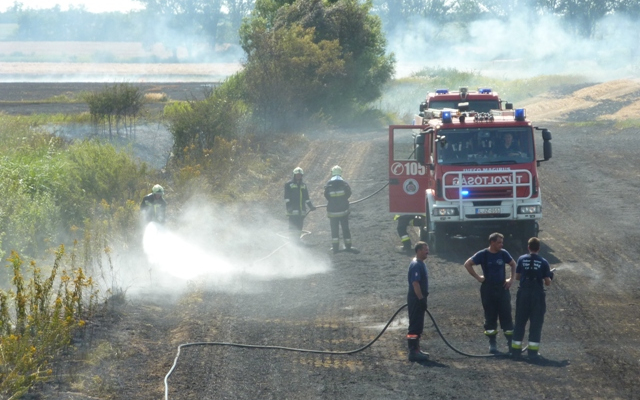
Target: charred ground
x,y
591,336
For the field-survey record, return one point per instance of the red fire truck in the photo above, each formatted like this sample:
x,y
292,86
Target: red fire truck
x,y
469,173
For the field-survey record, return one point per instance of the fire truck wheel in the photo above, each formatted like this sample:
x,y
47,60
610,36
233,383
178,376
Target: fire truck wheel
x,y
529,230
424,235
440,240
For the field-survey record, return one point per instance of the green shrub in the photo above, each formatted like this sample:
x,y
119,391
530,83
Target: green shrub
x,y
195,125
96,171
115,106
50,186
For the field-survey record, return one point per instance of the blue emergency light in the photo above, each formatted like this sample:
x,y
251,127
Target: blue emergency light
x,y
446,117
520,114
464,192
442,91
484,90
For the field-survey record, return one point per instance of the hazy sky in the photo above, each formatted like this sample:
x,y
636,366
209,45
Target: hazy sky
x,y
90,5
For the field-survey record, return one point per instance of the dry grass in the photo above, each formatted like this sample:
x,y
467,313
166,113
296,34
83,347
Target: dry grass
x,y
156,97
545,107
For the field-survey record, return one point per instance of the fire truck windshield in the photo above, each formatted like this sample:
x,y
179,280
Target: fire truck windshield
x,y
474,105
485,146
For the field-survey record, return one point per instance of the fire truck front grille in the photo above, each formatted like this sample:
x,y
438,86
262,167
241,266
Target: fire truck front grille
x,y
487,186
487,203
490,193
481,216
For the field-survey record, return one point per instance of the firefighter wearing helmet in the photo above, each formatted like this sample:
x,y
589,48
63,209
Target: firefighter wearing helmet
x,y
296,199
337,192
404,223
154,206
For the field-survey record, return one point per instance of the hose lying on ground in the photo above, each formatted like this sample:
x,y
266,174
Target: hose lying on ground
x,y
252,346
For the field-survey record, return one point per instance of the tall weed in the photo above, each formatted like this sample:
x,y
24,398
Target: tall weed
x,y
38,318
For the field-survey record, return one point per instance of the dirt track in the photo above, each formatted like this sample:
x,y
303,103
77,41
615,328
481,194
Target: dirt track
x,y
591,336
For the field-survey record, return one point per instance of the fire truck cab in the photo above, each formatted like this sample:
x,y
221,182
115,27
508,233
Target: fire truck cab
x,y
470,173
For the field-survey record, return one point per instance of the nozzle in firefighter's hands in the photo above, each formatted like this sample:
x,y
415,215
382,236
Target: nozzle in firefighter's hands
x,y
553,272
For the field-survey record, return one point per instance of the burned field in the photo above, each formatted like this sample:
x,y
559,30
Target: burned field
x,y
591,335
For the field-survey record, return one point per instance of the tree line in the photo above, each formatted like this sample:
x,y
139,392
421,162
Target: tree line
x,y
219,21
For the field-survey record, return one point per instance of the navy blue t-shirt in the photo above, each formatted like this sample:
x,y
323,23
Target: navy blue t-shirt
x,y
492,264
418,273
533,267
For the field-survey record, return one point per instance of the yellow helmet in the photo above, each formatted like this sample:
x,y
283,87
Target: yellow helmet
x,y
297,171
336,170
157,189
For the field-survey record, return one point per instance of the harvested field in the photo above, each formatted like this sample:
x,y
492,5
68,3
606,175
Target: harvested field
x,y
114,72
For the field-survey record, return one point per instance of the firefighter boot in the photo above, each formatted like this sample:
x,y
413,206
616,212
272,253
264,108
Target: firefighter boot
x,y
509,336
335,248
424,353
493,346
516,350
533,354
351,249
406,245
414,349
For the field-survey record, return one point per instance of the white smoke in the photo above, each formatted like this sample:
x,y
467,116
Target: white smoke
x,y
525,45
226,249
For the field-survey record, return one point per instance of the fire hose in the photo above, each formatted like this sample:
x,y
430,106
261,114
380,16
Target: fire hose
x,y
348,352
305,233
363,199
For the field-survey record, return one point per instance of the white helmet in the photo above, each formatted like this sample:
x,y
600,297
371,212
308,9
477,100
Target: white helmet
x,y
336,170
157,189
297,171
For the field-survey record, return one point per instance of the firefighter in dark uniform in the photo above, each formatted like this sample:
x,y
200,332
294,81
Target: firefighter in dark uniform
x,y
154,206
404,222
337,192
417,301
494,288
532,271
296,198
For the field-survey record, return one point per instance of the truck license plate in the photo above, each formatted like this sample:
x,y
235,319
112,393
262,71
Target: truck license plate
x,y
494,210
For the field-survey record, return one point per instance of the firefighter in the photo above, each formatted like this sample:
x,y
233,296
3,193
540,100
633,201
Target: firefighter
x,y
417,301
296,199
337,192
508,147
494,288
532,271
154,206
404,222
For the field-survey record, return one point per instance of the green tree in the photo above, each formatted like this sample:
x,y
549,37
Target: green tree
x,y
584,14
398,14
192,16
629,7
314,58
288,73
